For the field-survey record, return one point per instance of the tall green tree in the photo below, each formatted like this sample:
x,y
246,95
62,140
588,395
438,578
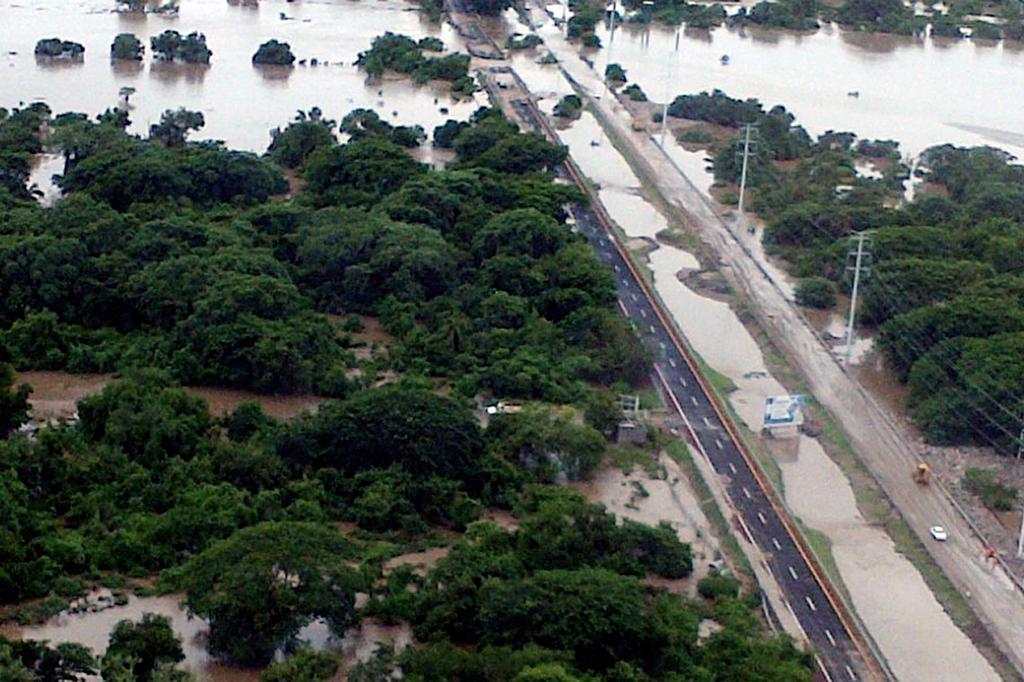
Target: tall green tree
x,y
258,587
145,644
13,400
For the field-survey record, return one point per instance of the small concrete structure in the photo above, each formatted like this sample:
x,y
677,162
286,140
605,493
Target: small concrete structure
x,y
629,431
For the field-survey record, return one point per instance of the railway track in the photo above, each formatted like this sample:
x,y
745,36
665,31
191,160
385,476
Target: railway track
x,y
840,650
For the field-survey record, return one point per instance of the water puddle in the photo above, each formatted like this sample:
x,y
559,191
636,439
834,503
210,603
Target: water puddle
x,y
863,343
619,187
44,167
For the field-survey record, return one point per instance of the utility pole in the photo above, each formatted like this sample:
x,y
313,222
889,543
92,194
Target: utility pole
x,y
668,92
1020,442
608,50
859,256
743,172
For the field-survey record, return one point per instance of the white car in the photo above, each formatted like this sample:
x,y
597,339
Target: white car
x,y
939,533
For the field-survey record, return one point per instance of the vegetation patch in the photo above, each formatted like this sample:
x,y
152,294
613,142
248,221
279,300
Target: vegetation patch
x,y
402,54
995,495
274,52
55,48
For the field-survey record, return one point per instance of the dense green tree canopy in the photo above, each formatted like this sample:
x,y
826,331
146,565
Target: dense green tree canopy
x,y
13,399
943,267
305,665
143,645
258,587
171,45
126,46
274,52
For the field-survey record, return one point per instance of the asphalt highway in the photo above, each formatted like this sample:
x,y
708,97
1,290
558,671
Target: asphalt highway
x,y
805,596
838,657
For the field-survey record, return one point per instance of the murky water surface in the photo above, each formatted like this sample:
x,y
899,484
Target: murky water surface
x,y
55,396
93,629
919,92
241,103
667,498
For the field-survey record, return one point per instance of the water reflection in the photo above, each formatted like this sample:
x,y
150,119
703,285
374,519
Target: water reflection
x,y
240,103
53,64
174,72
274,74
914,90
126,68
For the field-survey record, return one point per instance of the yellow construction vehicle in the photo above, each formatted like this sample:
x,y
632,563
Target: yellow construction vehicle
x,y
922,474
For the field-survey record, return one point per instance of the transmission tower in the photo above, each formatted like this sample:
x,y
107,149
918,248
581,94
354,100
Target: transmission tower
x,y
861,257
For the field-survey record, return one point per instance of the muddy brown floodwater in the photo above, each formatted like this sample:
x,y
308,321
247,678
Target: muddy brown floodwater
x,y
93,628
919,92
241,103
668,498
55,394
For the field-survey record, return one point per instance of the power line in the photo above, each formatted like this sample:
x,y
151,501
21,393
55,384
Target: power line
x,y
946,363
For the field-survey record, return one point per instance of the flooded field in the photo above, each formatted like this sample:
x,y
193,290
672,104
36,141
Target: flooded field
x,y
638,496
975,96
92,629
55,394
241,103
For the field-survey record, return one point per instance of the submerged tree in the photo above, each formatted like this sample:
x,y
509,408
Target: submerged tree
x,y
57,48
258,587
126,46
171,45
274,52
143,646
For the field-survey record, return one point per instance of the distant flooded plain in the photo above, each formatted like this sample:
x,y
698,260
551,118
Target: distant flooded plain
x,y
920,92
242,103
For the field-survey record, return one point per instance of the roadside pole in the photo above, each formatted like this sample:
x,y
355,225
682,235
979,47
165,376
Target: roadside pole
x,y
859,256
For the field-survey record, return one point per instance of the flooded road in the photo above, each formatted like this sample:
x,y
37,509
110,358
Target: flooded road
x,y
887,592
241,103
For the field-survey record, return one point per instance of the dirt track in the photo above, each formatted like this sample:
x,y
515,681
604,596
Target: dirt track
x,y
881,444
